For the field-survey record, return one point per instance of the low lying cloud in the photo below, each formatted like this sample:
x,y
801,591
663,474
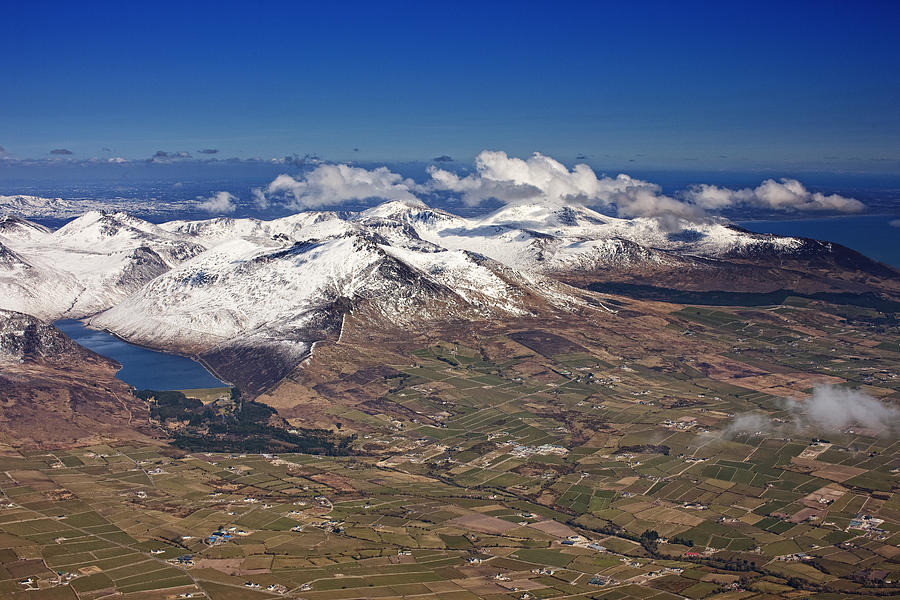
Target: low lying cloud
x,y
785,194
542,178
894,223
748,423
295,160
830,409
220,203
333,184
539,178
61,152
833,408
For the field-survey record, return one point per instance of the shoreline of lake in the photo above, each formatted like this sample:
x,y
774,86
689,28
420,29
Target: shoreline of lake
x,y
144,367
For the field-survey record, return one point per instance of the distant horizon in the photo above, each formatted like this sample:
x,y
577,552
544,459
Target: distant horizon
x,y
71,170
42,166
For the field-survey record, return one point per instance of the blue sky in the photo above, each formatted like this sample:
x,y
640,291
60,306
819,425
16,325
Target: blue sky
x,y
731,85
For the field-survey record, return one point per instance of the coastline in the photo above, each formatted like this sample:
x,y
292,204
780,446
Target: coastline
x,y
868,234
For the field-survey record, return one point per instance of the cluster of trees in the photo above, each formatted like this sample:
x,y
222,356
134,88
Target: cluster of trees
x,y
247,426
644,448
649,539
170,405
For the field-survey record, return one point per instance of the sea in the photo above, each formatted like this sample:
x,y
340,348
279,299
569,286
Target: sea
x,y
872,235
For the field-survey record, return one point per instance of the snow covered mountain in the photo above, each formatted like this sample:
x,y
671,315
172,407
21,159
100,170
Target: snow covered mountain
x,y
85,267
251,291
554,238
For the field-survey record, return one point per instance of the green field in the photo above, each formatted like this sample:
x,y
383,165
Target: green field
x,y
533,473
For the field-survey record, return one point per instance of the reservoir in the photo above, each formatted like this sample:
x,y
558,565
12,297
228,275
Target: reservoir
x,y
141,367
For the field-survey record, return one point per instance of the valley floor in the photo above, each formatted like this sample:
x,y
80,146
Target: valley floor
x,y
576,462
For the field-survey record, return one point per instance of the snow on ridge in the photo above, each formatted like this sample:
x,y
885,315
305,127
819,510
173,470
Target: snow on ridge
x,y
550,237
476,284
17,228
89,264
201,286
235,287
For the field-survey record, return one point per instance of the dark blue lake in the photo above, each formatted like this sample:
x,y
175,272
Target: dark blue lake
x,y
141,367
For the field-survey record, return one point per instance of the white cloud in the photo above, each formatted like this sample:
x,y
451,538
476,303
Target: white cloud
x,y
894,223
748,423
513,179
333,184
832,408
220,202
541,178
786,194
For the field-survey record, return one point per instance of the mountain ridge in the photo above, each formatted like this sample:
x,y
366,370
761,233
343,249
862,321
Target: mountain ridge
x,y
223,288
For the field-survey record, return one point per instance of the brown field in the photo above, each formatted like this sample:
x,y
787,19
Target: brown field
x,y
838,473
553,528
484,523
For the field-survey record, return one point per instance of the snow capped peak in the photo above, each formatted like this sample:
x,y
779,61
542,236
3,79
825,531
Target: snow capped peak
x,y
17,228
219,286
102,232
546,216
394,208
104,224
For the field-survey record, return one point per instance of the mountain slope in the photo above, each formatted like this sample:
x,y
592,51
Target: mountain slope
x,y
241,297
86,266
252,297
55,393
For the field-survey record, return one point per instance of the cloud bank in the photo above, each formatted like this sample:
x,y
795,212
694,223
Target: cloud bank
x,y
220,202
164,156
542,178
334,184
539,178
498,176
785,194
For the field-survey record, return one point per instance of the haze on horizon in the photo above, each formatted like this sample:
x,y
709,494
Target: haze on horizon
x,y
802,86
